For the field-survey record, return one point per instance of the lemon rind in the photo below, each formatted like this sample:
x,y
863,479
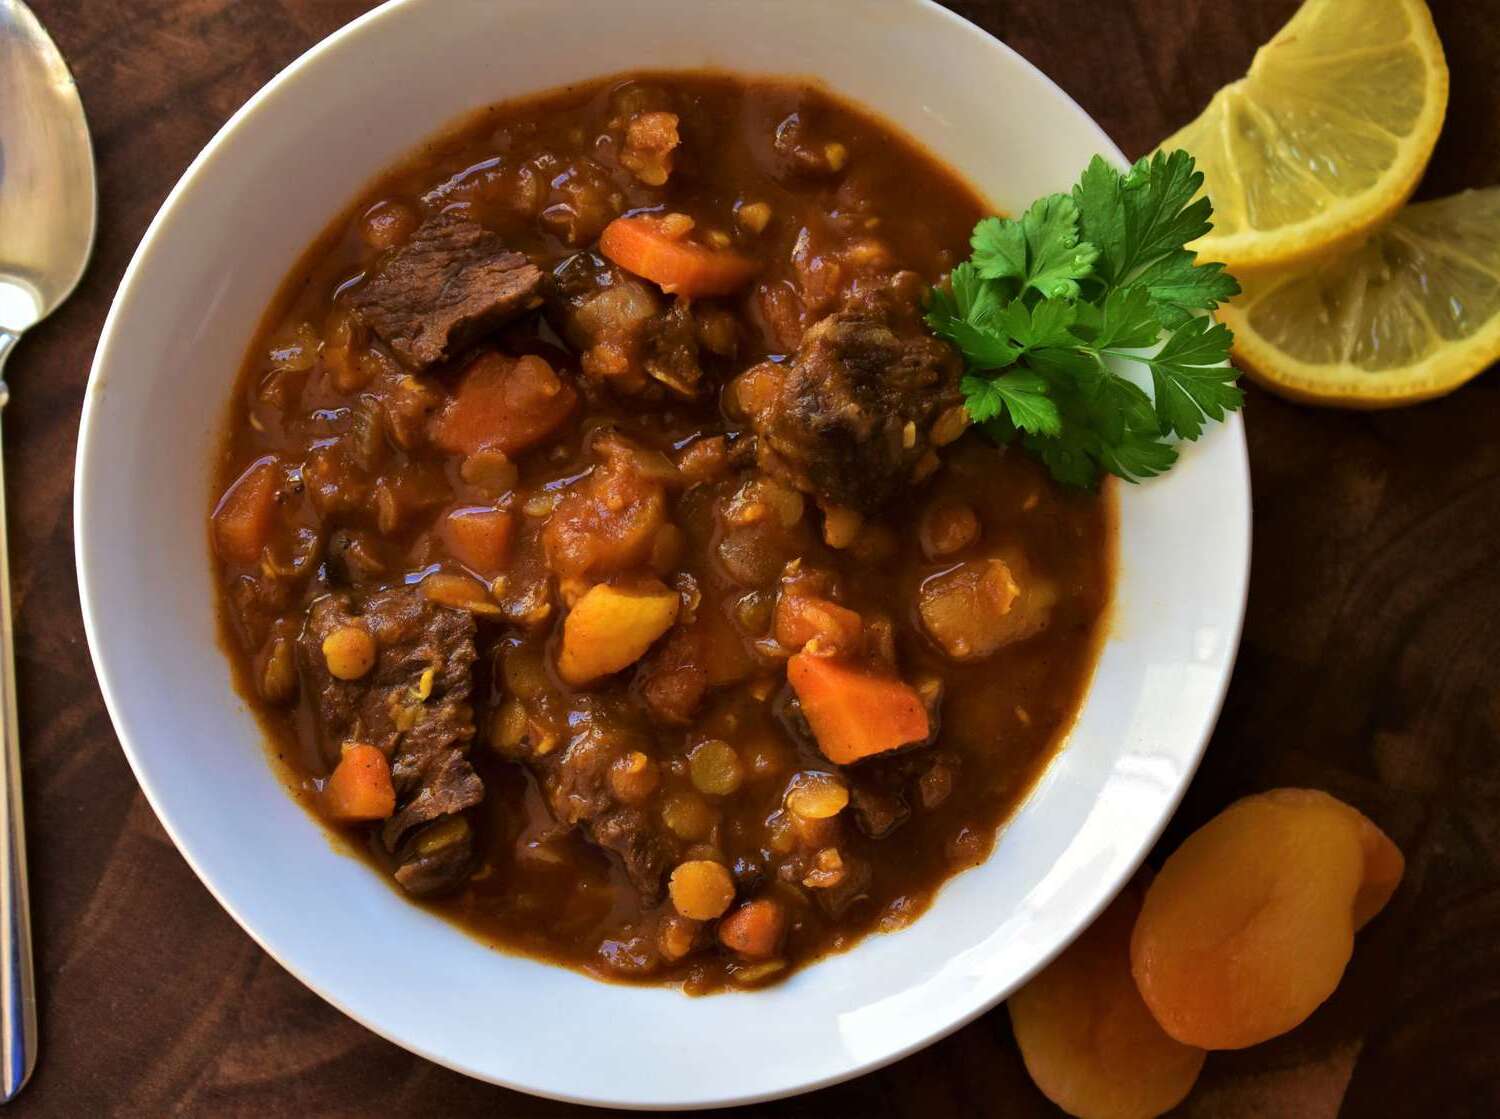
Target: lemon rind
x,y
1347,385
1343,224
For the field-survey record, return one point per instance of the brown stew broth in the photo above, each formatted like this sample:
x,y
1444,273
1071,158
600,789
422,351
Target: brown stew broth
x,y
531,171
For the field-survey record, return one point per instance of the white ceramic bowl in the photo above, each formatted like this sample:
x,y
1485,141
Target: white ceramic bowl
x,y
229,232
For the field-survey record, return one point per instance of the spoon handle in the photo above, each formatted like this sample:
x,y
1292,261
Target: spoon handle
x,y
18,1030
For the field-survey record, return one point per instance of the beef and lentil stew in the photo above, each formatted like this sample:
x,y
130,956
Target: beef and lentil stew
x,y
603,545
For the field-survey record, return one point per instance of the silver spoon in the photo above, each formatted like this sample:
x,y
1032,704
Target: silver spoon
x,y
47,209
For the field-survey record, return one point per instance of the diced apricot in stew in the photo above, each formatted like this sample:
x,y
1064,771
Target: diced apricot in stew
x,y
1250,924
479,538
755,929
853,711
607,523
359,788
725,659
977,608
246,514
504,404
803,618
611,627
654,250
1088,1039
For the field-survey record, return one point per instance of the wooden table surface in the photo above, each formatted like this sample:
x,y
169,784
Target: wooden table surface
x,y
1369,666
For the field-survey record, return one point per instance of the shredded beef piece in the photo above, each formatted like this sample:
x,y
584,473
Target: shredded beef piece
x,y
450,284
437,858
850,416
576,781
426,739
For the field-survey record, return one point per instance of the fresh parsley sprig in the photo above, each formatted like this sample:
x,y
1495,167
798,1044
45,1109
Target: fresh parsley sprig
x,y
1102,273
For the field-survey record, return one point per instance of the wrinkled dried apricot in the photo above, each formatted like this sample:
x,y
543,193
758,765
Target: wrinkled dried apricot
x,y
1250,924
1088,1039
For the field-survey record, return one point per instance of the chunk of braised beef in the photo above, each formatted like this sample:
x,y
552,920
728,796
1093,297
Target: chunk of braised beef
x,y
877,812
673,679
800,151
852,888
849,418
452,282
354,556
413,705
576,782
627,333
437,858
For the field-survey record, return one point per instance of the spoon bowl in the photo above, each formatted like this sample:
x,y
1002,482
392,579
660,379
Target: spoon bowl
x,y
48,200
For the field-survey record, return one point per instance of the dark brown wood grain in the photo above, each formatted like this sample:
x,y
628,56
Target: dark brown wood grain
x,y
1370,666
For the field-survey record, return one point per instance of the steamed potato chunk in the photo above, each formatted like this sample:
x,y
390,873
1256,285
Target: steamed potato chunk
x,y
611,628
977,608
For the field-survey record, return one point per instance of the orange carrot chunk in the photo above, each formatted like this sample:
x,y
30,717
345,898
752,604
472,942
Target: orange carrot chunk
x,y
478,538
679,267
755,929
855,712
504,404
246,514
360,787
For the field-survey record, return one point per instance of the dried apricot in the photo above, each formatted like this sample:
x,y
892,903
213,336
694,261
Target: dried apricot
x,y
1250,924
1088,1039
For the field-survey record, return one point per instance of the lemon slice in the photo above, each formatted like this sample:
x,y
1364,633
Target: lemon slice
x,y
1325,137
1411,314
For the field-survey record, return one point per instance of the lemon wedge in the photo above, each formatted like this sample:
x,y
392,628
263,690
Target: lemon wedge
x,y
1326,136
1411,314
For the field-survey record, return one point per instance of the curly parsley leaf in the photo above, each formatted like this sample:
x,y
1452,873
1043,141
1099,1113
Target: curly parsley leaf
x,y
1051,303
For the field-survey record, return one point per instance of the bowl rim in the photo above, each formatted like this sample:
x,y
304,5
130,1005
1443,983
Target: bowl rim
x,y
86,463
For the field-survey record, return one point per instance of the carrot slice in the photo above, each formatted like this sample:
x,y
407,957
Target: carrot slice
x,y
855,713
246,514
478,538
679,267
503,404
360,787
